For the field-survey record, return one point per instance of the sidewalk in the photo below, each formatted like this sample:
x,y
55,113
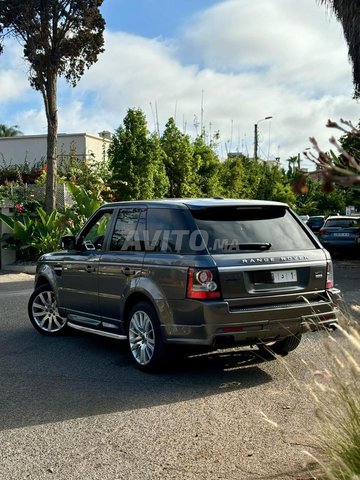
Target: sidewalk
x,y
6,277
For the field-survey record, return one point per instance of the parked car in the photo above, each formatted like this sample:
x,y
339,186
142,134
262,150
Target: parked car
x,y
188,273
340,233
315,223
304,218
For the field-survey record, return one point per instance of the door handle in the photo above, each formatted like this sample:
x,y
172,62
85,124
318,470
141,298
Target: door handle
x,y
128,271
90,269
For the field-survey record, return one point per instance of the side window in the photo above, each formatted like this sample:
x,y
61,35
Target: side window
x,y
95,233
125,235
167,231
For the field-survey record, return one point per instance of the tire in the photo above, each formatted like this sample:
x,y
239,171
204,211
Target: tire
x,y
43,312
282,347
146,345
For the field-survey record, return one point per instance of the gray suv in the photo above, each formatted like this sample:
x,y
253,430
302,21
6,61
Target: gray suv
x,y
207,273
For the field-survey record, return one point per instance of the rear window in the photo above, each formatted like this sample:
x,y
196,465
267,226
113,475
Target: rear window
x,y
244,229
315,220
342,222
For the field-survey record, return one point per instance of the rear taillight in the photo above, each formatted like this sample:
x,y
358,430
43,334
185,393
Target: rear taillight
x,y
329,275
323,232
203,284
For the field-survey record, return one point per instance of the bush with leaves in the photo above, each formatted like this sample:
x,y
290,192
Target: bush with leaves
x,y
32,236
35,233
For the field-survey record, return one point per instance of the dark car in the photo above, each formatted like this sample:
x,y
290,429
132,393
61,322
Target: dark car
x,y
341,233
202,273
315,223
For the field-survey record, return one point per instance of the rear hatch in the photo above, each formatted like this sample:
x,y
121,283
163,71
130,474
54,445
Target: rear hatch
x,y
341,231
260,252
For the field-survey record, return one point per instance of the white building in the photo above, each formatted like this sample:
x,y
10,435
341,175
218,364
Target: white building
x,y
32,148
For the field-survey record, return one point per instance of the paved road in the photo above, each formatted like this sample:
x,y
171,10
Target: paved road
x,y
75,408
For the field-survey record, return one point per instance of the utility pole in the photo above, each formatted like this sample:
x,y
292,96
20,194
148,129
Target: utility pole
x,y
256,138
255,141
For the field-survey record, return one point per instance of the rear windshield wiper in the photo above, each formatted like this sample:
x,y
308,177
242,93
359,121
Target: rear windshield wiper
x,y
249,246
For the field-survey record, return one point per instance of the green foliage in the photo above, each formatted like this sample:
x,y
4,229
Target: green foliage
x,y
35,233
207,166
242,177
59,38
318,202
181,167
33,236
136,160
232,177
12,131
86,203
92,174
21,173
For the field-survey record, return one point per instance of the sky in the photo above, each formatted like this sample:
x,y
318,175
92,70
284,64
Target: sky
x,y
223,65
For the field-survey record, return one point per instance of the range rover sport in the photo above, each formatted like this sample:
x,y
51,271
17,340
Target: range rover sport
x,y
177,273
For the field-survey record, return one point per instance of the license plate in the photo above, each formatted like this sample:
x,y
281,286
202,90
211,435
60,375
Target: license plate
x,y
284,276
341,234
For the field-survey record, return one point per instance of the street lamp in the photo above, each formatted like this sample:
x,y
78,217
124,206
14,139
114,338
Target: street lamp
x,y
256,135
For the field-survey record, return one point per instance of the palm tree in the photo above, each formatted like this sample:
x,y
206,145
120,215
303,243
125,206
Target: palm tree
x,y
6,131
348,12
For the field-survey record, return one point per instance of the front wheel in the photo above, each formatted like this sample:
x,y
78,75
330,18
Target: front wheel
x,y
145,342
43,312
282,347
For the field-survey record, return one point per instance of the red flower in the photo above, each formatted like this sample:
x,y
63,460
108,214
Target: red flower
x,y
19,207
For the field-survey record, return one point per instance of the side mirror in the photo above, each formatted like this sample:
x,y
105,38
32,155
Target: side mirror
x,y
68,242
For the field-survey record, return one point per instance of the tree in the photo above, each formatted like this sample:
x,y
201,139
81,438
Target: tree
x,y
136,160
348,12
59,38
180,166
207,166
274,185
232,175
12,131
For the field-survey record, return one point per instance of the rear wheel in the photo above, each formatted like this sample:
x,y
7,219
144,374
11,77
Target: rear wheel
x,y
145,341
44,313
282,347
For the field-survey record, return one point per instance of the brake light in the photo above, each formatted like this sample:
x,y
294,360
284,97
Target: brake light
x,y
203,284
323,232
329,275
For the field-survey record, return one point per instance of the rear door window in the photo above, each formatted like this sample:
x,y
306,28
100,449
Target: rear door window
x,y
245,229
168,231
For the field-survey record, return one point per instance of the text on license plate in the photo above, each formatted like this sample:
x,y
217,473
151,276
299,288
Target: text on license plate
x,y
283,276
341,234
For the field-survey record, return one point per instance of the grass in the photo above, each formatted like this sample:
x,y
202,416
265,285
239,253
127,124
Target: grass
x,y
336,391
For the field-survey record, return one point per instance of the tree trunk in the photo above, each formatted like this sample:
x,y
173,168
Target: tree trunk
x,y
50,99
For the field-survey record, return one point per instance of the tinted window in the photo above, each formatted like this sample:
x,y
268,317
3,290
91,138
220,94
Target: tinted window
x,y
124,236
342,222
315,221
95,232
167,231
234,229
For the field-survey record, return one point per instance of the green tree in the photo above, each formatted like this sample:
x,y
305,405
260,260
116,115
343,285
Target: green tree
x,y
158,171
274,185
348,12
136,160
232,175
316,201
12,131
180,165
59,38
207,165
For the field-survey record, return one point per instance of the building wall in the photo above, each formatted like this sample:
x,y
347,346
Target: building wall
x,y
15,150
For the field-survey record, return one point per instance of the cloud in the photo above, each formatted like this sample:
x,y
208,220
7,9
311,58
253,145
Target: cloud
x,y
240,60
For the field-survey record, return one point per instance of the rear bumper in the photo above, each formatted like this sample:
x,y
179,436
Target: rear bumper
x,y
209,323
